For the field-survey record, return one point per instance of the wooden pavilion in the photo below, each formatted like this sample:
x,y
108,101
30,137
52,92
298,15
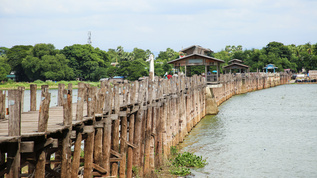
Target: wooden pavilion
x,y
197,56
236,64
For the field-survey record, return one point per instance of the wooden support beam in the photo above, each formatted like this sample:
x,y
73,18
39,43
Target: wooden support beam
x,y
33,88
115,128
27,147
76,155
14,126
116,154
61,88
80,102
130,148
123,146
2,104
98,146
89,149
44,111
99,169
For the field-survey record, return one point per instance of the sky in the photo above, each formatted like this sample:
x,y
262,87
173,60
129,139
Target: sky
x,y
158,24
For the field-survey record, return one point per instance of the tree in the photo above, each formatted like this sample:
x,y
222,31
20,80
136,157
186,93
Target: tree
x,y
15,56
3,50
132,70
4,68
85,60
44,62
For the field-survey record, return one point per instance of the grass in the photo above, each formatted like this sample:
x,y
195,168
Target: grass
x,y
52,84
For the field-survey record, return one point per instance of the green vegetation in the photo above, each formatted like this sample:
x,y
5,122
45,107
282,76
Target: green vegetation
x,y
181,162
45,62
13,85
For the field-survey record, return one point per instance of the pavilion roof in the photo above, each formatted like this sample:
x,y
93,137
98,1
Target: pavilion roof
x,y
195,56
236,64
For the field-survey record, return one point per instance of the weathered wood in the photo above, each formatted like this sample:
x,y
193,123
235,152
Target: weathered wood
x,y
60,96
14,126
115,128
106,144
40,164
22,89
130,149
2,104
33,88
98,146
147,146
27,147
14,157
137,138
80,103
44,111
123,145
88,155
66,153
76,155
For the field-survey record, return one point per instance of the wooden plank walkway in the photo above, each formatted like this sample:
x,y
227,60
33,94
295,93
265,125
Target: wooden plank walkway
x,y
29,122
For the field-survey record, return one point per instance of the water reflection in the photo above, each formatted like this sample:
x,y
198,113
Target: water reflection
x,y
268,133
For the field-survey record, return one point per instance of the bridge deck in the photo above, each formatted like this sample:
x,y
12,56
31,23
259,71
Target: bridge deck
x,y
29,122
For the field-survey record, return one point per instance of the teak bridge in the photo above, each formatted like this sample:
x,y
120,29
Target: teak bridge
x,y
113,130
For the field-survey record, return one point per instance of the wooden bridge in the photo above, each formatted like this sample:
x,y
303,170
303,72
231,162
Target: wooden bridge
x,y
107,132
112,130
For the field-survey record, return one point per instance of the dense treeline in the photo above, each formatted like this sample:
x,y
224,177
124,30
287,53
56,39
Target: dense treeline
x,y
45,62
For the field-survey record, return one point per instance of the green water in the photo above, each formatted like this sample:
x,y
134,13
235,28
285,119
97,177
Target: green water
x,y
267,133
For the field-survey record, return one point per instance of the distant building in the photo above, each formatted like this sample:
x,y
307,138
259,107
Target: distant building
x,y
12,76
270,67
236,65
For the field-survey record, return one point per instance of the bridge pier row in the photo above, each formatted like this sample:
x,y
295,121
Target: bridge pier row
x,y
121,130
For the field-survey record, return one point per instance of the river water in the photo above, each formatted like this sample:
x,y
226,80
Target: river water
x,y
267,133
54,98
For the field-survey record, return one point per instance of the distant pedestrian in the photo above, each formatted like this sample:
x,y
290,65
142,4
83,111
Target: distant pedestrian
x,y
169,76
165,76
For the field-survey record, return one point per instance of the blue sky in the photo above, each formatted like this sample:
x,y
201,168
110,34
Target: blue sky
x,y
158,24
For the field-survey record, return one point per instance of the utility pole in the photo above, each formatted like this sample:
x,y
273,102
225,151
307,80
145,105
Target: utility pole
x,y
89,37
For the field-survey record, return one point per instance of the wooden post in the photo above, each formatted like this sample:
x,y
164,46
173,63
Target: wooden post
x,y
89,149
80,102
123,145
2,104
148,131
98,146
22,89
61,88
137,137
33,88
43,113
40,163
115,128
130,150
106,145
14,97
91,101
14,127
76,155
66,140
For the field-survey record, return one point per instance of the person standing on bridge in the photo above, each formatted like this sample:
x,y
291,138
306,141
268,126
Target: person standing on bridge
x,y
169,76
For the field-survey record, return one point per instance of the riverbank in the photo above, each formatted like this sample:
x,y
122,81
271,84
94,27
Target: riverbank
x,y
52,84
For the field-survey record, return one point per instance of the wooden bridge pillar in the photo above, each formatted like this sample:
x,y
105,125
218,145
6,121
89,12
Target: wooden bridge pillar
x,y
14,129
2,104
33,89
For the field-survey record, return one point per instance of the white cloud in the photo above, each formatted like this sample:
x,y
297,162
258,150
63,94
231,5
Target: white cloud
x,y
158,24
